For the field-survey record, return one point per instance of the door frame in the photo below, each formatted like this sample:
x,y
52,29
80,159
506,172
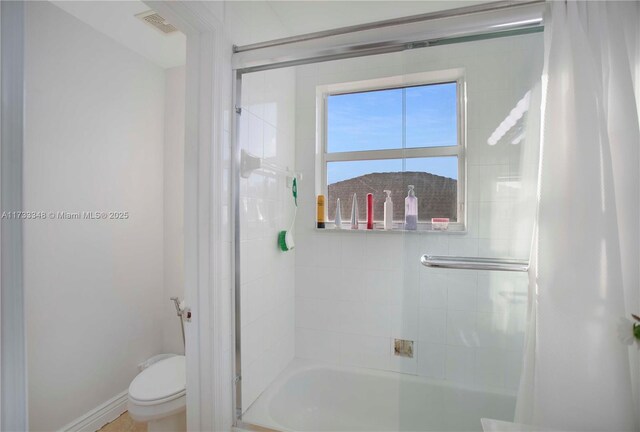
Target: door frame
x,y
13,355
203,205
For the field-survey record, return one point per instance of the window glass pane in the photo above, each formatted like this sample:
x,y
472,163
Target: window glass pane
x,y
435,181
432,118
340,171
446,166
364,121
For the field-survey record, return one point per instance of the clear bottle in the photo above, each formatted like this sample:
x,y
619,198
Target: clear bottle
x,y
411,210
388,211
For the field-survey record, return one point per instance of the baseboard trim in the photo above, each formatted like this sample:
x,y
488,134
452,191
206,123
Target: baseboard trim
x,y
99,416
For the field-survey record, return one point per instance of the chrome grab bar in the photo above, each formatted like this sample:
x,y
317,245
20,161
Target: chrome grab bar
x,y
472,263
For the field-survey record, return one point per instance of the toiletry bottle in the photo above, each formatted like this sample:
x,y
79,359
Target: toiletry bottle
x,y
338,217
388,211
320,215
411,210
354,213
369,211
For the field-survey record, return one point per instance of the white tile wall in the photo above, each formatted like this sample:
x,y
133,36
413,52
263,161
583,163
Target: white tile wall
x,y
266,207
357,291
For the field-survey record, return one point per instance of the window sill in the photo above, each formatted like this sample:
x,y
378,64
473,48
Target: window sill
x,y
423,228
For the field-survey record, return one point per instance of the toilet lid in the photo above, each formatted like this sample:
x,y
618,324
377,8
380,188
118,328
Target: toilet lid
x,y
161,380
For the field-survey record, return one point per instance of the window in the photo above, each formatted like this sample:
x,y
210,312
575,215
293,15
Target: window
x,y
391,133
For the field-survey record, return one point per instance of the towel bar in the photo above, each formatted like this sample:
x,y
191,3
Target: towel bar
x,y
472,263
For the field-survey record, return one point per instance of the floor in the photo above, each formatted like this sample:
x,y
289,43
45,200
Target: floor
x,y
124,423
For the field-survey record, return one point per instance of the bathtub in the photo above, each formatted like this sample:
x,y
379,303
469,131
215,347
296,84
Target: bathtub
x,y
310,396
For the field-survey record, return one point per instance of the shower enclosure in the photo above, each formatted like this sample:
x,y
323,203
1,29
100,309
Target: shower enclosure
x,y
373,329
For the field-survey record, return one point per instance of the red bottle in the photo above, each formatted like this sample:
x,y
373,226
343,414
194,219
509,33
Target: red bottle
x,y
369,211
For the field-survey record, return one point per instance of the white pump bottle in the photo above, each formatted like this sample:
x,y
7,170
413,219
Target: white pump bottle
x,y
388,211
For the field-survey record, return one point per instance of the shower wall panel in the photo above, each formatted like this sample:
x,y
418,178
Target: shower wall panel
x,y
266,207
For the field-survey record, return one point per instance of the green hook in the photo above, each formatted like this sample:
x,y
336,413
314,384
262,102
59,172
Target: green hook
x,y
294,188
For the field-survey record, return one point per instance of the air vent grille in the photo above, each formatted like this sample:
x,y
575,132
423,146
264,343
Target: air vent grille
x,y
158,22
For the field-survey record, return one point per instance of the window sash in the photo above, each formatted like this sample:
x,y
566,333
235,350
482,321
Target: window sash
x,y
406,153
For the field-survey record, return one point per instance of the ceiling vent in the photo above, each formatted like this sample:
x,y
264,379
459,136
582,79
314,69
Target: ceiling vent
x,y
156,21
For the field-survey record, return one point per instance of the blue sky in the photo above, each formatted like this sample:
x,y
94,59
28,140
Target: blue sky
x,y
411,117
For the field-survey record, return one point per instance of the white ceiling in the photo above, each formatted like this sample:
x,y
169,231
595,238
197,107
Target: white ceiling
x,y
309,16
117,20
256,20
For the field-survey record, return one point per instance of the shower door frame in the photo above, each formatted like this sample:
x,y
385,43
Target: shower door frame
x,y
307,50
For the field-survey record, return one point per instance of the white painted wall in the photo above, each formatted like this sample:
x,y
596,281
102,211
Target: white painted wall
x,y
173,206
266,203
357,291
247,22
95,290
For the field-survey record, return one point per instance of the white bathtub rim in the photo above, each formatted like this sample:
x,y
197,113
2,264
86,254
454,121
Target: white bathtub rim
x,y
300,365
260,407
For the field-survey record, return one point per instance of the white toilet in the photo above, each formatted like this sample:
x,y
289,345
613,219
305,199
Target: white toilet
x,y
158,396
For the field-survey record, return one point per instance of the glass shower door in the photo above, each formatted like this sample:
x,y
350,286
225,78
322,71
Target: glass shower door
x,y
348,330
468,320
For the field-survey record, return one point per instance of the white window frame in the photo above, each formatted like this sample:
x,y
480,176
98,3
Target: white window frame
x,y
323,157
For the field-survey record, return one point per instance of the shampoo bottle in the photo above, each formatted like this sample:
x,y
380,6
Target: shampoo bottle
x,y
320,211
411,210
388,211
369,211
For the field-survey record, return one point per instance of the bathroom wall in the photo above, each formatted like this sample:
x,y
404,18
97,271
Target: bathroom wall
x,y
94,288
173,206
266,207
357,291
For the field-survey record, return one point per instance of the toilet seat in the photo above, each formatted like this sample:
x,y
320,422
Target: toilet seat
x,y
158,391
161,382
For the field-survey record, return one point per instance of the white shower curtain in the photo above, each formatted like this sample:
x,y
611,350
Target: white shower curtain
x,y
585,262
